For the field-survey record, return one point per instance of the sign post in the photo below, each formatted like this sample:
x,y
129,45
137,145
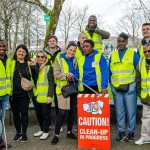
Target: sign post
x,y
46,18
93,121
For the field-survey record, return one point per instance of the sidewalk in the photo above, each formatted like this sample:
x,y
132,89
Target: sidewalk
x,y
67,144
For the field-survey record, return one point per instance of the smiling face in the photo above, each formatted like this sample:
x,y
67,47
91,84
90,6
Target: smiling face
x,y
3,48
87,48
40,58
70,52
146,31
21,54
122,43
147,51
52,43
82,38
92,22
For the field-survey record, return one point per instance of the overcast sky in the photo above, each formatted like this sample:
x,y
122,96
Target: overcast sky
x,y
108,8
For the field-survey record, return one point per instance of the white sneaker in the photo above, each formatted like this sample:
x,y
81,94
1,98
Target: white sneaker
x,y
44,136
141,141
61,129
38,133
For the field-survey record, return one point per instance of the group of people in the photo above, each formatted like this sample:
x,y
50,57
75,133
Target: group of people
x,y
84,62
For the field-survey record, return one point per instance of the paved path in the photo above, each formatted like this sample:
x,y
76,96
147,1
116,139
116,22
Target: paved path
x,y
67,144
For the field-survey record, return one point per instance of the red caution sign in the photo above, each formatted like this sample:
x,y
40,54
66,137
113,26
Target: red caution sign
x,y
93,121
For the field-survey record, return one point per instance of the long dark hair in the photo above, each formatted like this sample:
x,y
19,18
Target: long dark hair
x,y
23,46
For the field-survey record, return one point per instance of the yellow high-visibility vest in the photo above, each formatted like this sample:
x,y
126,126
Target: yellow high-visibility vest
x,y
145,78
81,61
64,69
78,53
5,83
97,39
42,85
49,57
141,48
123,72
13,64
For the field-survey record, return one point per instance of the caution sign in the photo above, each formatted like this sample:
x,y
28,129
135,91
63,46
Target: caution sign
x,y
93,121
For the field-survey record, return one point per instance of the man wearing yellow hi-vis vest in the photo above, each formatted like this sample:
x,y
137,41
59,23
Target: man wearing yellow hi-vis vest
x,y
146,38
5,86
143,89
95,34
53,51
93,70
123,62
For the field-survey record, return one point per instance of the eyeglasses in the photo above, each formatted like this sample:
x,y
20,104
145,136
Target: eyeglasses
x,y
146,51
40,56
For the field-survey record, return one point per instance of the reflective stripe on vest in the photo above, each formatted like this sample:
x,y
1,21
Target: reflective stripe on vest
x,y
42,85
97,39
5,83
64,69
145,78
123,72
81,61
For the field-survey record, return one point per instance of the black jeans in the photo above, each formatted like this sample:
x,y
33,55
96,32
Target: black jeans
x,y
19,107
70,118
43,113
56,101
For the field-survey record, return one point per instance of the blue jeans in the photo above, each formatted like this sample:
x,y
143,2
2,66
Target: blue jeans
x,y
125,106
3,104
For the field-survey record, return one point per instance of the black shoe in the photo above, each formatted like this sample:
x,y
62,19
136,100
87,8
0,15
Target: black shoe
x,y
130,137
3,144
121,136
55,140
71,136
24,138
17,137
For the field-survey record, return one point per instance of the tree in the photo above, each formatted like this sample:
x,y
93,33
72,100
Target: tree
x,y
129,23
67,20
54,15
7,9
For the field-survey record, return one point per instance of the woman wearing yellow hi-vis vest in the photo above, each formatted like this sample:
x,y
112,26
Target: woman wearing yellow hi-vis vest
x,y
122,77
93,70
143,90
20,98
45,91
64,69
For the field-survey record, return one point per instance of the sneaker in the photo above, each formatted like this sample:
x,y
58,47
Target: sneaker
x,y
44,136
61,129
17,137
121,136
71,136
130,137
76,130
54,140
38,134
3,144
24,138
141,141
